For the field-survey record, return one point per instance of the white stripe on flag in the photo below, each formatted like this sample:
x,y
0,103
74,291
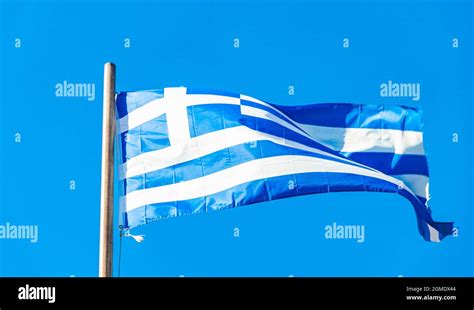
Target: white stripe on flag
x,y
204,145
177,115
251,111
434,234
416,182
260,102
243,173
351,140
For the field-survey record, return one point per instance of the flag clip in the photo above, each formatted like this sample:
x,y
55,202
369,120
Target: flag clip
x,y
137,238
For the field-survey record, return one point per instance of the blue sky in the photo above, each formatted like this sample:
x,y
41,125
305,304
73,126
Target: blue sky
x,y
282,43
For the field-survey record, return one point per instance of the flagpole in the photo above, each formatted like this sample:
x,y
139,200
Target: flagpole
x,y
107,177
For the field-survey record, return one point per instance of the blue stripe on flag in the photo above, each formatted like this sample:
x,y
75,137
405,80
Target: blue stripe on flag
x,y
263,190
208,118
392,164
128,101
348,115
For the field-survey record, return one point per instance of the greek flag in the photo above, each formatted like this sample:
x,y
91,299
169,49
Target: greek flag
x,y
186,151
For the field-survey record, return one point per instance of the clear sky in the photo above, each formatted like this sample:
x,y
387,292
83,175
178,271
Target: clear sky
x,y
50,146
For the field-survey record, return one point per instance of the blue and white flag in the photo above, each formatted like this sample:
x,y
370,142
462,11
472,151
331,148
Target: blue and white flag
x,y
186,151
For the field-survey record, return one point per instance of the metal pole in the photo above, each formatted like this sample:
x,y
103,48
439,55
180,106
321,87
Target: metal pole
x,y
107,178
